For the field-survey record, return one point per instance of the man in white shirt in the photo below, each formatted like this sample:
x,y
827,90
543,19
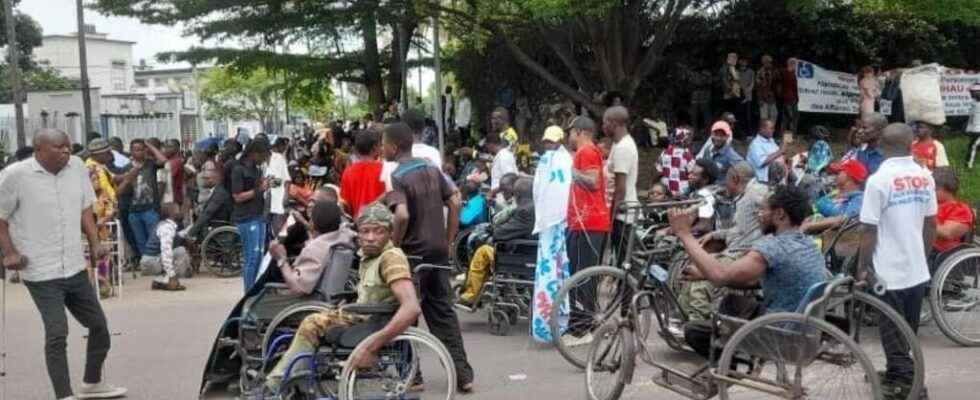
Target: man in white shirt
x,y
463,115
45,211
503,164
899,217
416,121
624,161
278,174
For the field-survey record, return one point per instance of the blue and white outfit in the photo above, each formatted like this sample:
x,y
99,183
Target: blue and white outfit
x,y
552,184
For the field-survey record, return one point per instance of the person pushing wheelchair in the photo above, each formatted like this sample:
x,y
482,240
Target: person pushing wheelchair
x,y
385,278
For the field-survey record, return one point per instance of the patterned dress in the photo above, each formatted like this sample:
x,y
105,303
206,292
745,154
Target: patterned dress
x,y
552,183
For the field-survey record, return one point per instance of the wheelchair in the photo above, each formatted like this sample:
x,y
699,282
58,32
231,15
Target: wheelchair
x,y
221,250
510,289
954,294
785,354
261,327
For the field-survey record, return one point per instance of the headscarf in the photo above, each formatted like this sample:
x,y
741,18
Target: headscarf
x,y
376,213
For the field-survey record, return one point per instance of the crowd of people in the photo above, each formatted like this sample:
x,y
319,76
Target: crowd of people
x,y
385,183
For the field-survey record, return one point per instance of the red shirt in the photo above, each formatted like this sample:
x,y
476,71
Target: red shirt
x,y
788,90
361,184
952,211
587,209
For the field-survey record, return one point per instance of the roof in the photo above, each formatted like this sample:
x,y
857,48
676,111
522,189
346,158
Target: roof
x,y
168,71
87,38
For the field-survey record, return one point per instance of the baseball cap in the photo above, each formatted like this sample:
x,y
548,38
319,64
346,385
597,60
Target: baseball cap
x,y
97,146
853,168
975,87
553,134
722,126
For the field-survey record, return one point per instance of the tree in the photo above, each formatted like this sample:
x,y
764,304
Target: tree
x,y
36,78
255,94
341,36
602,45
28,35
958,11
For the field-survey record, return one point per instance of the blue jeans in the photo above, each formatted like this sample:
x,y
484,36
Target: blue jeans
x,y
143,223
252,232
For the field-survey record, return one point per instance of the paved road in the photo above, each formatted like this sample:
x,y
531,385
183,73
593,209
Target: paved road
x,y
161,341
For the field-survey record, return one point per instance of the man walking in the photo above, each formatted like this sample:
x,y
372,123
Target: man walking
x,y
419,192
45,202
899,217
463,115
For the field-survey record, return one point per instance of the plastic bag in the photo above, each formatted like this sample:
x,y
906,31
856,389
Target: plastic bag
x,y
922,96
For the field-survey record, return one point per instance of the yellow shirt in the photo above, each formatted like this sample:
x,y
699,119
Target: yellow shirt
x,y
101,180
510,135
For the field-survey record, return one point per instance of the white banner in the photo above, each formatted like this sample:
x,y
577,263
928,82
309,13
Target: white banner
x,y
825,91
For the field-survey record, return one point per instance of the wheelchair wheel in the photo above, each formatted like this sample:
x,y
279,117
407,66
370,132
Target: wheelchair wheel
x,y
609,365
607,291
461,255
863,317
396,367
499,322
955,297
291,315
221,252
801,357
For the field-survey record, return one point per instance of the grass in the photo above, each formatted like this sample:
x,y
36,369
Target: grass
x,y
956,149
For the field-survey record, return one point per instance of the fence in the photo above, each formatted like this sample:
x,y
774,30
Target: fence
x,y
8,130
128,128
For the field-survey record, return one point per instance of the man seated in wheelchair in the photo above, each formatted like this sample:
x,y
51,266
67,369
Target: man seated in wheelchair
x,y
732,237
844,203
954,219
785,263
303,273
480,232
214,212
509,224
385,278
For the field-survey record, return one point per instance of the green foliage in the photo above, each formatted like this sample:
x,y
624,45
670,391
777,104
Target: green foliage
x,y
36,78
958,11
28,36
956,148
255,94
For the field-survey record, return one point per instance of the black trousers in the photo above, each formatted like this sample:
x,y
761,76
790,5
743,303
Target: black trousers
x,y
436,301
77,295
584,250
908,303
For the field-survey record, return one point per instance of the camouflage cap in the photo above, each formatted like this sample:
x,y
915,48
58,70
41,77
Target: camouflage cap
x,y
376,213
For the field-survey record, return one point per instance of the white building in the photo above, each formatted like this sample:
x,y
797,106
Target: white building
x,y
110,61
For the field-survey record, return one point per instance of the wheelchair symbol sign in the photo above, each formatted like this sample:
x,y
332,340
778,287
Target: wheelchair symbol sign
x,y
804,70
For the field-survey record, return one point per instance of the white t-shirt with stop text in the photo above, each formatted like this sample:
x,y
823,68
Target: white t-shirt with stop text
x,y
898,198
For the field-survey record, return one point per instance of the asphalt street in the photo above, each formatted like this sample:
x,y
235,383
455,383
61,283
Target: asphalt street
x,y
161,341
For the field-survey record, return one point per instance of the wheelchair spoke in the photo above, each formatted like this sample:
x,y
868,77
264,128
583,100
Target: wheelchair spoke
x,y
955,297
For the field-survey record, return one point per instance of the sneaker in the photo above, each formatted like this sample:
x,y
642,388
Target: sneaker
x,y
100,390
465,306
173,285
575,341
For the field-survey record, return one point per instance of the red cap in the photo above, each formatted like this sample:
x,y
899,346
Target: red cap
x,y
853,168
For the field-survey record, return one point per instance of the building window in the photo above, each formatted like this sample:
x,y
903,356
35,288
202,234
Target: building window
x,y
117,76
141,83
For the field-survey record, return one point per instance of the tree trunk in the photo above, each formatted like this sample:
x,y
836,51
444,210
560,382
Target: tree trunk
x,y
372,60
402,33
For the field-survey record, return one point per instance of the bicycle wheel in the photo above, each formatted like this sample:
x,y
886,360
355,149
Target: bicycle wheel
x,y
800,357
863,316
600,292
609,366
396,368
221,252
955,297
